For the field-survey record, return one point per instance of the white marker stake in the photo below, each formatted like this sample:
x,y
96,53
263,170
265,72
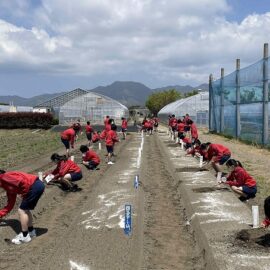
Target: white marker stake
x,y
176,140
40,176
219,176
99,146
255,216
72,158
201,161
172,137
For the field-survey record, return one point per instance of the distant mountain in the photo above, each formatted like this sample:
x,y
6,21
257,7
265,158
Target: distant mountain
x,y
33,101
127,93
183,89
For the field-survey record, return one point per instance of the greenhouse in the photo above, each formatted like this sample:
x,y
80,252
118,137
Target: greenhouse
x,y
85,105
196,106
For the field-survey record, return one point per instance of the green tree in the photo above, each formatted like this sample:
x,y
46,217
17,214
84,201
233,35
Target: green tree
x,y
192,93
158,100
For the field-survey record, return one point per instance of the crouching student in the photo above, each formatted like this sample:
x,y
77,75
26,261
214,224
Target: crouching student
x,y
90,159
240,181
95,136
217,155
187,142
195,150
66,172
30,188
266,221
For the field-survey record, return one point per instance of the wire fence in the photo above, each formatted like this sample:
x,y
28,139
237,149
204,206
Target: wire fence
x,y
238,102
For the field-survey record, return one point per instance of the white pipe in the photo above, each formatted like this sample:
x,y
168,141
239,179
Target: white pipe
x,y
99,146
40,176
255,216
201,161
219,176
72,158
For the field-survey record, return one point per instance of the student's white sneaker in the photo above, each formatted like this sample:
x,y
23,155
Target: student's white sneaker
x,y
33,233
20,239
110,163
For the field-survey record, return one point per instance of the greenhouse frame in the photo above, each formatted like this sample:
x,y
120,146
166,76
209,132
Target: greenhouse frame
x,y
196,106
86,106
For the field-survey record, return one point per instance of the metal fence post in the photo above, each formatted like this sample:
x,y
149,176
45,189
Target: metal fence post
x,y
237,109
222,100
265,134
210,117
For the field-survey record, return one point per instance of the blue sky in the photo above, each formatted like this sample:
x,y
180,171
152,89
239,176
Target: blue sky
x,y
49,46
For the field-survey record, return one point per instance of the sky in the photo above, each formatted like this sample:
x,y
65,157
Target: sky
x,y
50,46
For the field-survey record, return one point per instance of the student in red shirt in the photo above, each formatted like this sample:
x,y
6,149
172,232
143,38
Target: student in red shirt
x,y
155,121
90,159
266,221
30,188
195,150
124,127
180,127
106,120
187,142
88,131
193,130
110,139
68,138
96,136
217,155
240,181
66,172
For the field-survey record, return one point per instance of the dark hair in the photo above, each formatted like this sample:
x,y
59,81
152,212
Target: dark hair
x,y
56,157
204,145
76,126
88,122
197,141
267,207
173,115
179,121
113,127
111,121
233,162
84,148
189,121
2,171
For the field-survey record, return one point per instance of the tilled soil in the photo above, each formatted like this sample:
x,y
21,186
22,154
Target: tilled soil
x,y
76,231
168,243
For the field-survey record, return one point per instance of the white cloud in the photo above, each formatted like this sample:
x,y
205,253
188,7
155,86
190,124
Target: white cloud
x,y
169,41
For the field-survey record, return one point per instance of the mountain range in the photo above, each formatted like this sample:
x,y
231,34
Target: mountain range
x,y
128,93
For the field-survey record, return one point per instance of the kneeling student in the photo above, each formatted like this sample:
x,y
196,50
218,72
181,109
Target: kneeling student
x,y
240,181
90,159
66,172
30,188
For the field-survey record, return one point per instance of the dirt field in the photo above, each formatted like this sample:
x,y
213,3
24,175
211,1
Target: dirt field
x,y
254,159
84,230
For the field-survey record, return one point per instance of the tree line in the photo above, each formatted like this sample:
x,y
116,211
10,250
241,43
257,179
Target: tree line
x,y
156,101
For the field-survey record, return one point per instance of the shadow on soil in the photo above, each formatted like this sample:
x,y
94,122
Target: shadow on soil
x,y
173,145
16,226
190,169
209,189
253,239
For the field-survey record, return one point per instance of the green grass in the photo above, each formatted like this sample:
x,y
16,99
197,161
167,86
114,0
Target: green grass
x,y
18,145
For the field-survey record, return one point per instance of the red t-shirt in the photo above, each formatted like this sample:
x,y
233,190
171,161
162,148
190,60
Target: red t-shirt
x,y
124,124
69,134
111,138
88,129
15,183
64,167
239,177
91,155
217,151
